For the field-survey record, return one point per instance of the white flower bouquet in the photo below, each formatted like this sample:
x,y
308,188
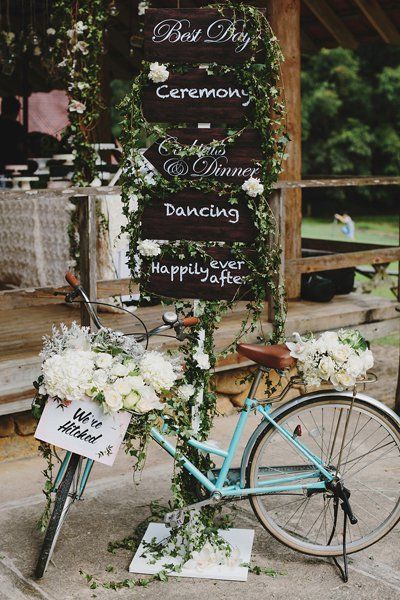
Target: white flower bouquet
x,y
337,357
106,367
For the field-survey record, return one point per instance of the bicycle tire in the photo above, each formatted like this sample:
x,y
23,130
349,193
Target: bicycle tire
x,y
267,521
57,517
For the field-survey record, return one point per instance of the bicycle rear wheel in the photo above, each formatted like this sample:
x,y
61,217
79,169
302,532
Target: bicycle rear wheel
x,y
65,496
370,470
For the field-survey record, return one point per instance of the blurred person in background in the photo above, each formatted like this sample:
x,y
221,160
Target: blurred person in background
x,y
12,134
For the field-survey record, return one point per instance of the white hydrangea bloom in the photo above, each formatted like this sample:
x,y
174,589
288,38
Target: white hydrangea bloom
x,y
253,187
104,360
158,73
149,248
68,375
202,359
186,391
157,371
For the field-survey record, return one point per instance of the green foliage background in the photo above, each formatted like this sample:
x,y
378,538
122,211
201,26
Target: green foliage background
x,y
351,125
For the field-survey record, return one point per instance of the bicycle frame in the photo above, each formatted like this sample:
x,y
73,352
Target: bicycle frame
x,y
220,484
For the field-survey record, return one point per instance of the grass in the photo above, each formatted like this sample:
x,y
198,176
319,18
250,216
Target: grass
x,y
371,229
388,340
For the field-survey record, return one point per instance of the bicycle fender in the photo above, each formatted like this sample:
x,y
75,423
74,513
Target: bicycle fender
x,y
298,402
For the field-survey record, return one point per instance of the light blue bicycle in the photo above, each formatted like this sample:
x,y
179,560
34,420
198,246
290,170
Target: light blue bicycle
x,y
317,457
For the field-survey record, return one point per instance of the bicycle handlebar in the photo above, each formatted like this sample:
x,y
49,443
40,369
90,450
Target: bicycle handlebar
x,y
72,280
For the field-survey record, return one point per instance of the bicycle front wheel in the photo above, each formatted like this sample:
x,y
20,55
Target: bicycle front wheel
x,y
369,452
65,496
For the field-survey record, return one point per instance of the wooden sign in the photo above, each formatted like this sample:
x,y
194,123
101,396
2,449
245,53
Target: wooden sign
x,y
197,216
195,36
83,428
233,162
218,278
196,97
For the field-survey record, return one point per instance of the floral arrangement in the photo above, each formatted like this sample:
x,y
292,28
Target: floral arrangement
x,y
106,367
340,358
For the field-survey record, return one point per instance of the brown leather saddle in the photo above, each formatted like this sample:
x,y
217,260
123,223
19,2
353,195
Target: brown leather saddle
x,y
273,357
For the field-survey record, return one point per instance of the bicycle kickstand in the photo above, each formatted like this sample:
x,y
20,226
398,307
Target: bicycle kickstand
x,y
344,571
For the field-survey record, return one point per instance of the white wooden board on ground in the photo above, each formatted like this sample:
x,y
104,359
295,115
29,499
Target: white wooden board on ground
x,y
237,538
83,428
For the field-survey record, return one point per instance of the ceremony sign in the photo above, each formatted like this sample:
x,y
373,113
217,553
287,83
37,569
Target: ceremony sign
x,y
198,216
83,428
196,36
217,277
232,162
196,96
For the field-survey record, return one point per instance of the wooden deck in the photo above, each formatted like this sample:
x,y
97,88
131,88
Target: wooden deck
x,y
21,330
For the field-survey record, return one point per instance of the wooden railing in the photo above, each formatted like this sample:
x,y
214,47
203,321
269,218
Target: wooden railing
x,y
344,254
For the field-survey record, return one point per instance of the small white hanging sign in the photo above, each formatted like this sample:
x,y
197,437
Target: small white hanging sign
x,y
83,428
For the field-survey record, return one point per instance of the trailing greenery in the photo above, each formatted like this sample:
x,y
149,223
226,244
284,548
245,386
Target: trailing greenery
x,y
140,185
75,50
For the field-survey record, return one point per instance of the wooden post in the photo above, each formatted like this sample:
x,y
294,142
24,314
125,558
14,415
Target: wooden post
x,y
277,206
87,252
284,16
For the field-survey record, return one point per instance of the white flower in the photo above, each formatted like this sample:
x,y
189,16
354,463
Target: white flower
x,y
120,370
133,203
326,367
82,47
104,360
9,37
63,63
253,187
123,386
341,353
149,179
51,31
149,248
342,381
42,390
80,27
202,359
37,51
368,359
158,73
77,106
113,399
71,33
297,348
131,400
67,375
156,371
142,7
355,366
186,391
100,379
82,85
148,400
131,365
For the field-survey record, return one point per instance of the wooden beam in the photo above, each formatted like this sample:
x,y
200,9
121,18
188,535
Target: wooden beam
x,y
338,245
332,23
343,260
375,14
284,16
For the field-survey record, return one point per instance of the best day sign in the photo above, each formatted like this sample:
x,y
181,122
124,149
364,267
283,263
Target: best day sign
x,y
83,428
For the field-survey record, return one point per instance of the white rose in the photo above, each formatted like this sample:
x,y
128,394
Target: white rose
x,y
341,353
76,106
355,366
104,360
326,367
149,248
148,400
113,399
158,73
343,381
131,400
123,386
368,359
253,187
119,370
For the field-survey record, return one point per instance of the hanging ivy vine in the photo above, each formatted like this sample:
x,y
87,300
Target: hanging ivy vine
x,y
140,185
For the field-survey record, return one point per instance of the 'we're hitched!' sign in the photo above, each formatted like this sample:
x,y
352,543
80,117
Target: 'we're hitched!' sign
x,y
83,428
